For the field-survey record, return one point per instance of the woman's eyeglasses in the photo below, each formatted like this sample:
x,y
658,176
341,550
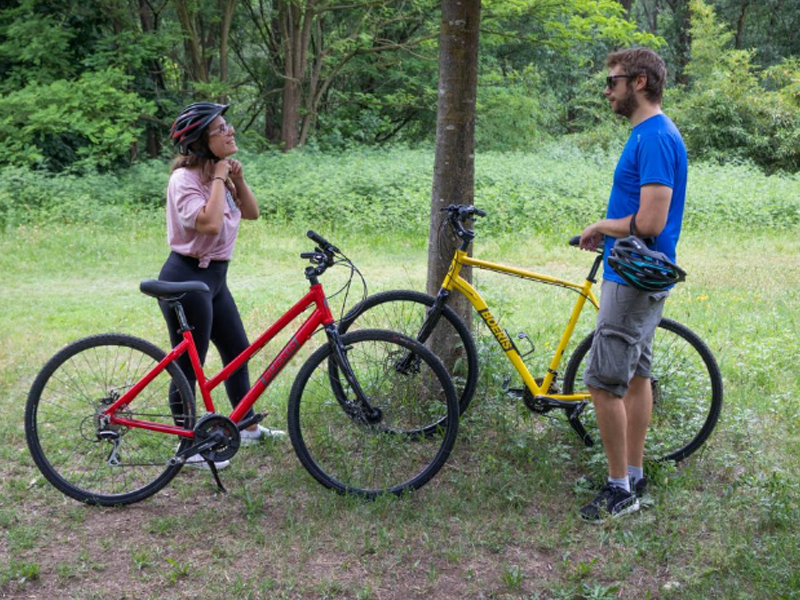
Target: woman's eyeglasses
x,y
224,129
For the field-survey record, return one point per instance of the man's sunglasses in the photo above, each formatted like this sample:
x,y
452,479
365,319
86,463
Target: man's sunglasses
x,y
610,80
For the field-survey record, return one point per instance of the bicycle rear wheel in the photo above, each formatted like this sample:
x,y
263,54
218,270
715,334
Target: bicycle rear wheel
x,y
384,448
406,311
105,465
687,393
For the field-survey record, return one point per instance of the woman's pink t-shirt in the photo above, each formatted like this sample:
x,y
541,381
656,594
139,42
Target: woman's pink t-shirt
x,y
186,196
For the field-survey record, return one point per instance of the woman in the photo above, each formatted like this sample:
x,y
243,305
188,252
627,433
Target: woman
x,y
207,197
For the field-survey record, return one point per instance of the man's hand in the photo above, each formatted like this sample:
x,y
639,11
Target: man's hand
x,y
591,237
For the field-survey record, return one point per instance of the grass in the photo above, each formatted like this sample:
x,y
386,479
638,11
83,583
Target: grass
x,y
499,521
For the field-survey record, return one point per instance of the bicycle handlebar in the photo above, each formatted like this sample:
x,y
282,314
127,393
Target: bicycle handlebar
x,y
324,244
315,257
576,241
322,257
457,214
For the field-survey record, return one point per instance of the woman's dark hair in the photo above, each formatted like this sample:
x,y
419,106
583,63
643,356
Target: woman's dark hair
x,y
642,61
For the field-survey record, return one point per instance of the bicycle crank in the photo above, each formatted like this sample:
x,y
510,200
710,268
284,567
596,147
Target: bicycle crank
x,y
217,438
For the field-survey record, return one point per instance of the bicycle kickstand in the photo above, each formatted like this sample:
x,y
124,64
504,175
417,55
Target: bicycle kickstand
x,y
215,473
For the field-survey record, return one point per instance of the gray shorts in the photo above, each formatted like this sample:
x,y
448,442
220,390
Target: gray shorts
x,y
623,340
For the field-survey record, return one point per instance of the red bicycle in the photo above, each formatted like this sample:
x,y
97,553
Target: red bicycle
x,y
101,429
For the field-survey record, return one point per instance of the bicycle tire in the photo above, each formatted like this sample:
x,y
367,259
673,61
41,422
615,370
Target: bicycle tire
x,y
389,456
405,311
687,393
76,385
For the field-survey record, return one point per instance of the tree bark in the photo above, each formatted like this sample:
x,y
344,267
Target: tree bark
x,y
192,43
740,25
454,164
228,10
296,22
682,16
148,20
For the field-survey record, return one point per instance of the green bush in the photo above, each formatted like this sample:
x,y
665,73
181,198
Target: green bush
x,y
727,113
557,188
30,197
86,124
509,114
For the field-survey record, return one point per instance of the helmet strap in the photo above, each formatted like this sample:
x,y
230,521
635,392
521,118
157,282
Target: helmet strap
x,y
650,241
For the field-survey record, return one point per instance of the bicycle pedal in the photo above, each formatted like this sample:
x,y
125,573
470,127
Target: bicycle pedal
x,y
256,418
514,392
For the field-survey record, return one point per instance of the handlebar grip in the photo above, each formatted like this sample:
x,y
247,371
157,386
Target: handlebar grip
x,y
480,213
324,244
313,235
575,240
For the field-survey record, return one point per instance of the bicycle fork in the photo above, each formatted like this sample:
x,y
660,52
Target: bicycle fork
x,y
360,409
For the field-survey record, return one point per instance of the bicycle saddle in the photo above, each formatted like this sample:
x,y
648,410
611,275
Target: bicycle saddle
x,y
164,290
577,240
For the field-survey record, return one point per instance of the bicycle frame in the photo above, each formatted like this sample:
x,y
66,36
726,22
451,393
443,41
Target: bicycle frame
x,y
321,316
454,281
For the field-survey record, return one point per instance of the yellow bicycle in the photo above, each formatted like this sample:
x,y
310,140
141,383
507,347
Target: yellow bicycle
x,y
686,381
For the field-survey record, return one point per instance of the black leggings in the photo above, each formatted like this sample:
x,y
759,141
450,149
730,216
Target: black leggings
x,y
214,318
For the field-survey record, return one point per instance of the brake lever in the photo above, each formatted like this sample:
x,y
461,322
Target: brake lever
x,y
315,257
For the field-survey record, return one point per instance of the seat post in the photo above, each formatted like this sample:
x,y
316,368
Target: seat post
x,y
598,260
183,325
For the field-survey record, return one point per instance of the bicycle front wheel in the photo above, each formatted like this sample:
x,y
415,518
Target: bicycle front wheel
x,y
382,445
687,393
101,464
406,311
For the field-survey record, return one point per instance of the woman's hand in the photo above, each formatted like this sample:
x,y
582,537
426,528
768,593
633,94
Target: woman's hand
x,y
223,169
236,172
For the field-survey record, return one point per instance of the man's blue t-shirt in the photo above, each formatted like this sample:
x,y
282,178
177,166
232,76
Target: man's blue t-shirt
x,y
654,153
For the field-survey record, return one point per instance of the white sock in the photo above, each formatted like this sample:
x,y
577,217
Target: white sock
x,y
623,483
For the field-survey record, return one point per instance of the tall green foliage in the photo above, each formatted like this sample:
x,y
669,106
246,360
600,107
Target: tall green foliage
x,y
538,60
87,123
728,111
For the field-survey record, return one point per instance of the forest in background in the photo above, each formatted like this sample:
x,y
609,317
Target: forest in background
x,y
93,86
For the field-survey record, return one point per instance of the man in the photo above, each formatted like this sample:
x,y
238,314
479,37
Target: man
x,y
648,194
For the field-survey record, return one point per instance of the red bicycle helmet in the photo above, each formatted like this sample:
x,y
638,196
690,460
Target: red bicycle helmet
x,y
188,127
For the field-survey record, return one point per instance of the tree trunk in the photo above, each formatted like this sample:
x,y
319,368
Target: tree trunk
x,y
148,22
682,16
296,22
192,43
454,165
740,26
227,19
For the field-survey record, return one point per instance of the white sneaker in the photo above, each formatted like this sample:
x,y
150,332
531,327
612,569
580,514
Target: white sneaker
x,y
198,462
252,437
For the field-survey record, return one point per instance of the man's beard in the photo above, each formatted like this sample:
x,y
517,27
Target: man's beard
x,y
628,104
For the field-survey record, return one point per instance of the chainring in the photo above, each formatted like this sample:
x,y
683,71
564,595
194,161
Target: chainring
x,y
539,405
227,433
